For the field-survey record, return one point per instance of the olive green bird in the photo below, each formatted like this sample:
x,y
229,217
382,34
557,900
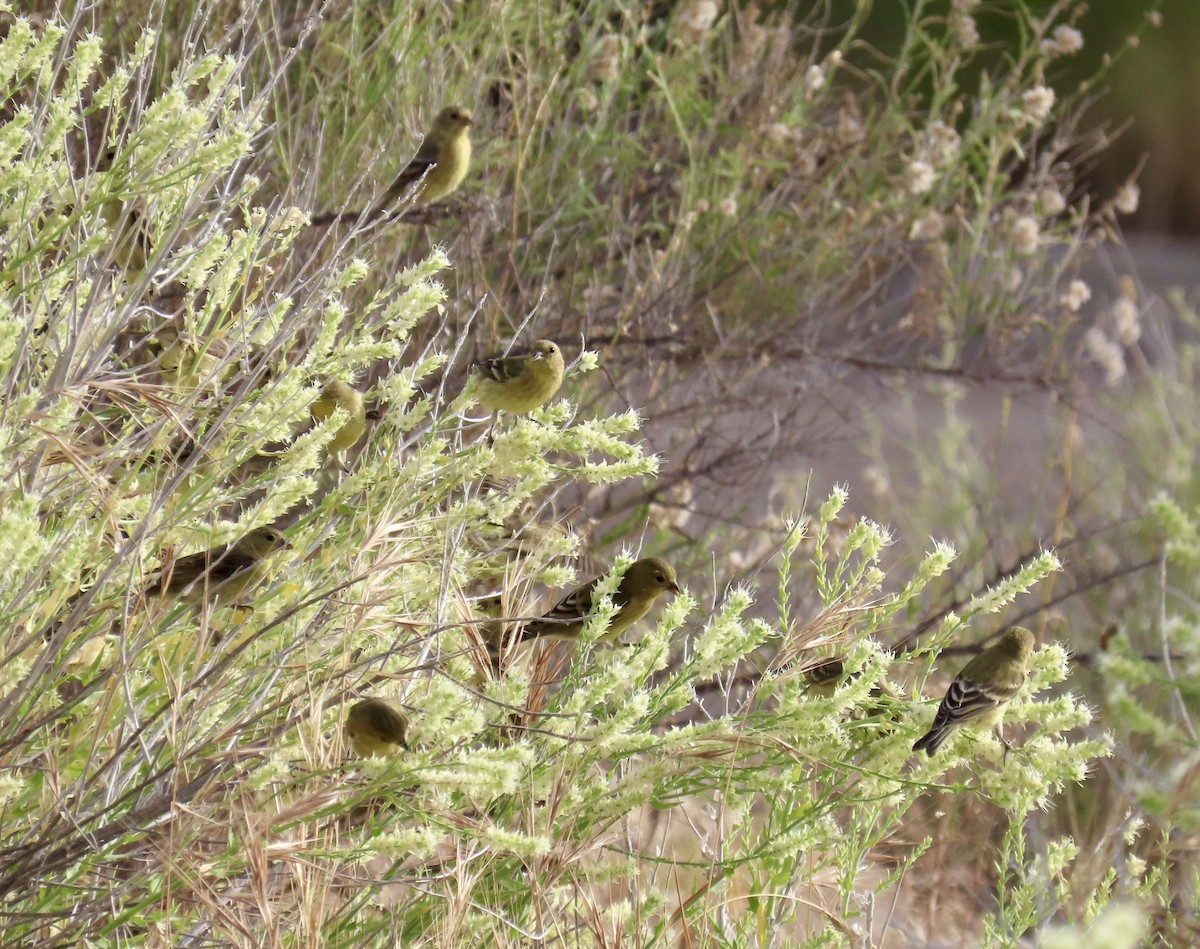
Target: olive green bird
x,y
521,382
636,594
824,678
982,690
127,222
828,675
376,728
440,165
335,395
227,572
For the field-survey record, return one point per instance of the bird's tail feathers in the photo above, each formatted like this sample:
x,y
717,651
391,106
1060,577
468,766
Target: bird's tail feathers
x,y
932,740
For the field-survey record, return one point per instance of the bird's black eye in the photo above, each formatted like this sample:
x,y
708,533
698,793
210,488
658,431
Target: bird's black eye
x,y
660,578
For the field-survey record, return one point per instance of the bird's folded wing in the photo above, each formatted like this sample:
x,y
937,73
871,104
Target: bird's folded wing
x,y
574,606
501,369
425,158
965,700
218,566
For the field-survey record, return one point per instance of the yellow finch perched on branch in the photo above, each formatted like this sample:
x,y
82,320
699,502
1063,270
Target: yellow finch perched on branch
x,y
131,235
226,572
337,395
981,691
375,727
126,220
522,382
634,597
824,678
440,164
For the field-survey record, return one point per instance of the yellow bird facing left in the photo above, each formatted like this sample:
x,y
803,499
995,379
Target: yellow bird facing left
x,y
375,727
335,395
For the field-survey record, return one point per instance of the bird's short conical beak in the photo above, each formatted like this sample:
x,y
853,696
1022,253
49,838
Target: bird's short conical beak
x,y
674,588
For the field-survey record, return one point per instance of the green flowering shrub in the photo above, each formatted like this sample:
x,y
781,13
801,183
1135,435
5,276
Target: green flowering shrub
x,y
718,204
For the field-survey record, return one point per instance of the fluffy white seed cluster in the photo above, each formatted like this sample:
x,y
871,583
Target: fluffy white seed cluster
x,y
1064,41
1037,104
919,177
693,22
1106,353
1025,233
1128,198
1075,296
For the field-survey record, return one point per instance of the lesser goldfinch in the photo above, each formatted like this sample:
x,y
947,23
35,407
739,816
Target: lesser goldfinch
x,y
337,395
130,230
375,727
520,383
634,597
983,689
188,364
441,163
226,572
131,235
824,678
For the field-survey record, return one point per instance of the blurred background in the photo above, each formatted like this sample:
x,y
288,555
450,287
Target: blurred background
x,y
1144,82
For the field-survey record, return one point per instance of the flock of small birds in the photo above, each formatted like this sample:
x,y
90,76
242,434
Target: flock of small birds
x,y
519,383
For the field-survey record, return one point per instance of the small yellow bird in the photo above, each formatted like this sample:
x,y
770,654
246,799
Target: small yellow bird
x,y
338,395
227,572
828,675
983,689
520,383
634,598
376,728
188,364
824,678
127,222
131,234
440,165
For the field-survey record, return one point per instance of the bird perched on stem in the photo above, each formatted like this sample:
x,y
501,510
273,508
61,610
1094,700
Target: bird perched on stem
x,y
982,690
227,572
375,727
521,382
125,218
440,165
639,588
824,678
338,395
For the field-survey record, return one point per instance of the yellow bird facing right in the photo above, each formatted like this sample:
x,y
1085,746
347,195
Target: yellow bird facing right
x,y
375,727
335,395
440,165
521,382
980,693
635,596
227,572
